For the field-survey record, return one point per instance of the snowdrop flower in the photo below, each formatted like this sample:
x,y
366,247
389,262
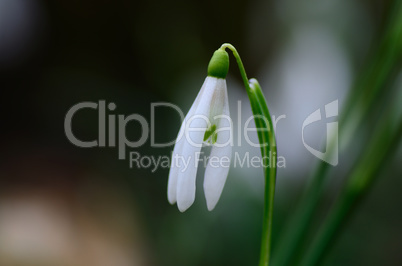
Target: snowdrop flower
x,y
208,122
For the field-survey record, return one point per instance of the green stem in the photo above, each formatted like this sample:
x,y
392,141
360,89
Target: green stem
x,y
239,63
268,150
266,136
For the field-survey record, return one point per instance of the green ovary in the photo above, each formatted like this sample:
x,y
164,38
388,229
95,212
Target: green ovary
x,y
211,134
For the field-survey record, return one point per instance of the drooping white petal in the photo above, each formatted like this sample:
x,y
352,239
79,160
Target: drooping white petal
x,y
176,164
219,162
173,174
192,145
187,175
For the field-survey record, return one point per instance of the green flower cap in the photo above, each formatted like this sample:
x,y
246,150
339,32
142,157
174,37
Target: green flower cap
x,y
218,67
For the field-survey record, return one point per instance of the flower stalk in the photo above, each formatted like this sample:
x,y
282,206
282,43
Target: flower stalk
x,y
266,136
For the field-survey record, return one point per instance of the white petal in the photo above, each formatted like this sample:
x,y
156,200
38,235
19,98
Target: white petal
x,y
174,165
217,172
173,174
218,99
187,176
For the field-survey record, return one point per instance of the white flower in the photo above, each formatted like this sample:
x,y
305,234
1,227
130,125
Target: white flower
x,y
208,121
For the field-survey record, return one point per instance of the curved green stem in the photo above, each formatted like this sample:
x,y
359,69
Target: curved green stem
x,y
239,63
266,136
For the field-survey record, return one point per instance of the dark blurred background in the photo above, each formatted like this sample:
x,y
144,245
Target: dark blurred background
x,y
65,205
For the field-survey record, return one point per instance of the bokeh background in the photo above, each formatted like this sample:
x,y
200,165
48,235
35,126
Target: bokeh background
x,y
65,205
